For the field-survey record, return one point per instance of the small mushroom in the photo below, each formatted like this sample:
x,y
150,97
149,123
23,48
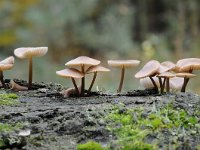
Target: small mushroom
x,y
29,53
83,61
5,64
166,76
188,65
186,77
150,69
169,65
95,69
16,87
123,64
71,73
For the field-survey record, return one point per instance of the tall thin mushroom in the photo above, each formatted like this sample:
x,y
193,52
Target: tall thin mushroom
x,y
123,64
29,53
5,64
95,69
83,61
71,73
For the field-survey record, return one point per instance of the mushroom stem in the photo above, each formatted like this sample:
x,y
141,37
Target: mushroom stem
x,y
83,81
167,85
2,80
186,80
161,84
92,83
75,86
121,80
154,83
30,73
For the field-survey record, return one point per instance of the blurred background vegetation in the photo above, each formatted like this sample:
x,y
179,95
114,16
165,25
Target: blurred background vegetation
x,y
103,29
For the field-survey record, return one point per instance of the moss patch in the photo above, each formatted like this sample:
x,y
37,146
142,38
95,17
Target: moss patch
x,y
8,99
5,127
91,145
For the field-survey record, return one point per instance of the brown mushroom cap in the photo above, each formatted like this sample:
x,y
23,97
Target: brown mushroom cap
x,y
166,75
169,64
97,68
185,75
149,69
187,64
29,52
125,63
83,60
70,73
7,63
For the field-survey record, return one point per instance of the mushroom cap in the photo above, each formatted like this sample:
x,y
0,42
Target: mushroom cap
x,y
166,75
185,75
150,68
187,64
70,73
123,63
97,68
83,60
29,52
7,63
147,83
169,64
163,69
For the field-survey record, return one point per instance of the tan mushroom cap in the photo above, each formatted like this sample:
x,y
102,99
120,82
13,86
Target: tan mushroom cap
x,y
187,64
83,60
7,63
169,64
125,63
166,75
29,52
163,69
97,68
147,83
185,75
149,69
70,73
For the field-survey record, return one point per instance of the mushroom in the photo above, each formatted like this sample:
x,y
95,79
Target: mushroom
x,y
123,64
150,69
186,77
16,87
29,53
166,76
147,83
95,69
71,73
5,64
169,65
83,61
188,65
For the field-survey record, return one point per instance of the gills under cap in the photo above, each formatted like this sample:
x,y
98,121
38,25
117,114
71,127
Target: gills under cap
x,y
123,63
70,73
188,64
7,63
97,68
29,52
83,60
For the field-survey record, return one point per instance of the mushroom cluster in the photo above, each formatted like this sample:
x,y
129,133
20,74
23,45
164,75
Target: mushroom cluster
x,y
87,65
167,75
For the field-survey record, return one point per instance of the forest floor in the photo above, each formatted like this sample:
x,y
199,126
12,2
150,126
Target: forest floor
x,y
42,119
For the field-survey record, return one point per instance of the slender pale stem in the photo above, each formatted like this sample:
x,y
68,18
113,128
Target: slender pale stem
x,y
75,86
167,85
30,73
2,80
121,80
163,85
186,80
154,83
83,81
93,80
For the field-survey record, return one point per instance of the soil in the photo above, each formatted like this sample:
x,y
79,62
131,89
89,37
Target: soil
x,y
60,123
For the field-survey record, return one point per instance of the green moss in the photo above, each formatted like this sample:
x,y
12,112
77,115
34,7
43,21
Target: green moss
x,y
5,127
2,143
8,99
138,146
90,146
